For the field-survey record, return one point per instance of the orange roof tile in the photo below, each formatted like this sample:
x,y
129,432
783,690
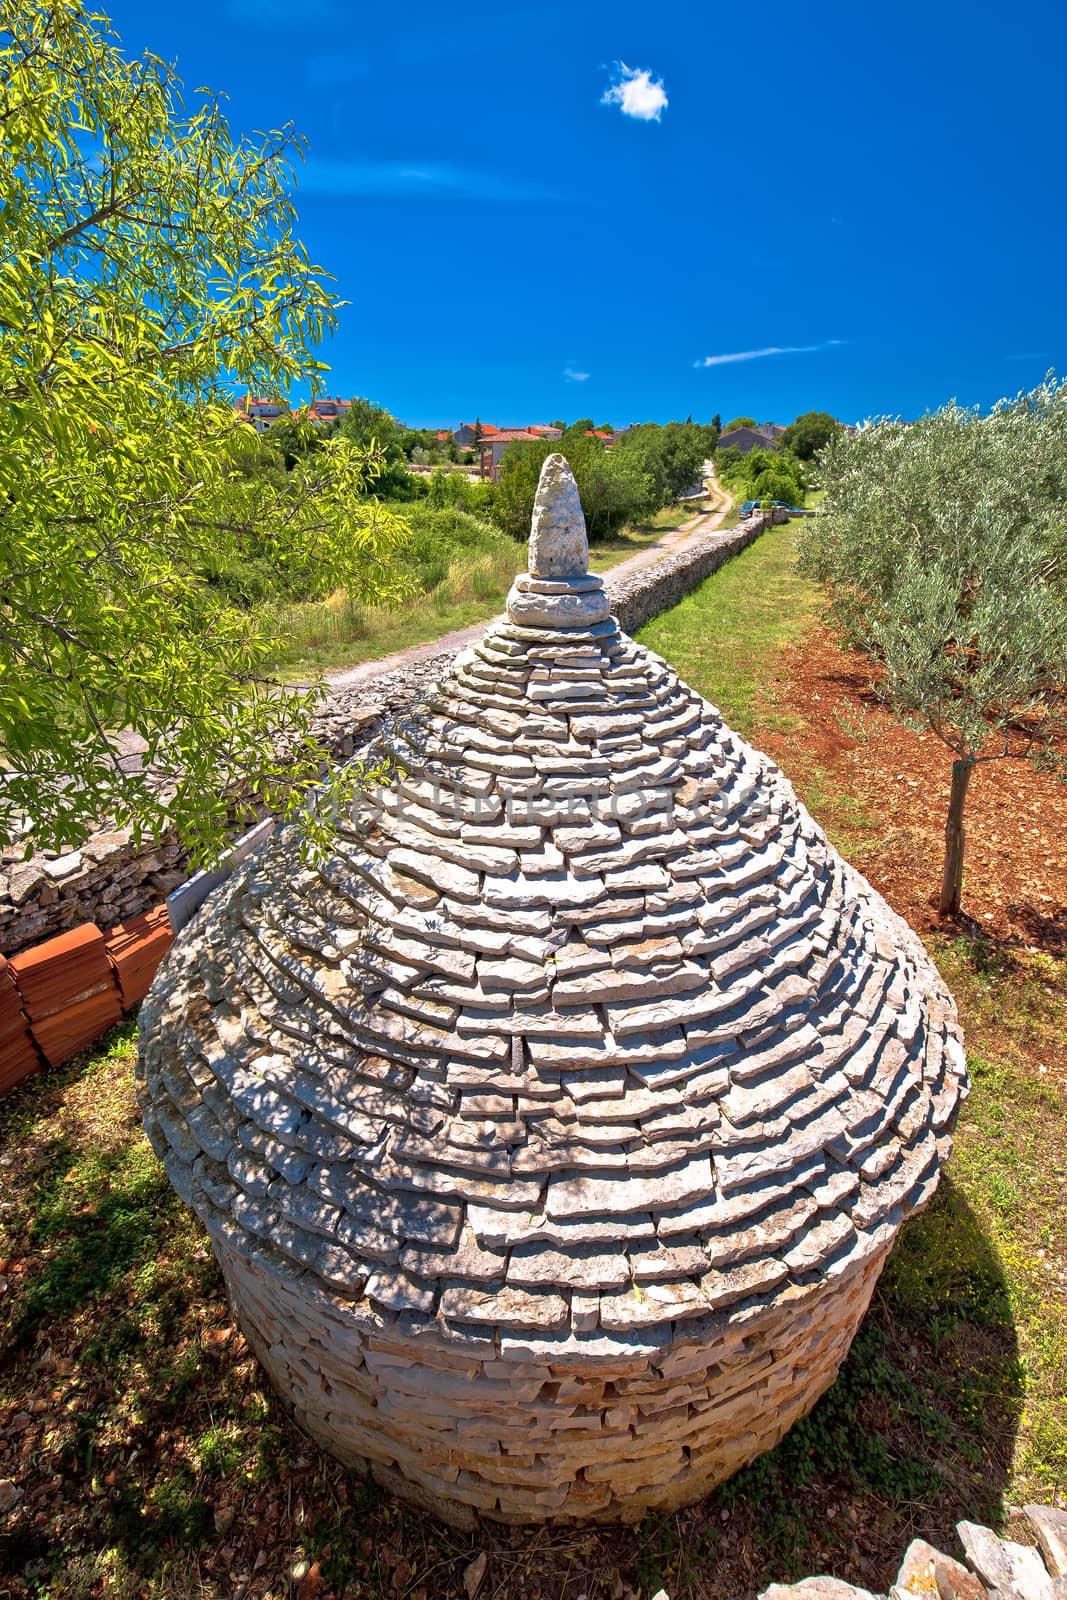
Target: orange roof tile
x,y
74,1028
70,967
135,948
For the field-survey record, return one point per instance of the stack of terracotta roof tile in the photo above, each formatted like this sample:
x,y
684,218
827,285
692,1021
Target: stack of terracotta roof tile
x,y
135,948
18,1053
68,991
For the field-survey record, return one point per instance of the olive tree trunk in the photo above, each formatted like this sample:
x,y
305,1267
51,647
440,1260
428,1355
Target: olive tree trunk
x,y
955,839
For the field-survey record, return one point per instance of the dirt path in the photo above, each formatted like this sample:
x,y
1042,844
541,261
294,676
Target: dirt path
x,y
676,540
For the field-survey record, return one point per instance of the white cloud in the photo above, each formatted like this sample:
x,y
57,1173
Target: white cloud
x,y
346,178
636,92
574,377
768,350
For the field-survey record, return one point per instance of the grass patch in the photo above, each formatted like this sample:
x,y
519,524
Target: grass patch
x,y
636,536
459,567
727,637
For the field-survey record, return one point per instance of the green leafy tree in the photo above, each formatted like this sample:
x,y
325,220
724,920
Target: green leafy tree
x,y
809,433
944,545
740,422
150,265
612,488
672,456
775,484
579,429
370,427
295,437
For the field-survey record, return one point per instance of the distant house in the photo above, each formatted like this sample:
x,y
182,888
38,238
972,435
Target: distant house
x,y
764,437
326,410
492,448
262,413
465,435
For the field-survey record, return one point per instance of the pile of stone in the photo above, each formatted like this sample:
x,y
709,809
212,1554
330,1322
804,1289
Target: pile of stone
x,y
107,879
996,1569
553,1131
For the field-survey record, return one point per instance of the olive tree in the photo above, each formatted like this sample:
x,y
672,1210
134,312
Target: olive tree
x,y
944,546
150,266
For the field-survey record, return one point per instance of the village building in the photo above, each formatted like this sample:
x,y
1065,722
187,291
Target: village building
x,y
263,413
767,436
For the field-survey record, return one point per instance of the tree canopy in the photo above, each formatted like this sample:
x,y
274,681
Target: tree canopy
x,y
647,467
739,422
612,487
762,474
150,266
944,547
371,428
672,455
807,435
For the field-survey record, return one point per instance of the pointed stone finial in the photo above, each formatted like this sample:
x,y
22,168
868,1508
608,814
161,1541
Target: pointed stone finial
x,y
558,544
559,591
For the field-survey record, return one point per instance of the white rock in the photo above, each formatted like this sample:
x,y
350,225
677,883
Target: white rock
x,y
558,544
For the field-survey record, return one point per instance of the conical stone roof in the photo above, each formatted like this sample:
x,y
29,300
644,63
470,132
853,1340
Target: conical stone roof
x,y
553,1131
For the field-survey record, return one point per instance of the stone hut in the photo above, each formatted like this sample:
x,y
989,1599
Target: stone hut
x,y
552,1132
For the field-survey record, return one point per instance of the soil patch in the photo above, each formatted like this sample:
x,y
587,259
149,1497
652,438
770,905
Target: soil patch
x,y
1015,884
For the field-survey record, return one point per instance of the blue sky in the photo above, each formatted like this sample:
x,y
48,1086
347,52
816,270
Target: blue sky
x,y
776,208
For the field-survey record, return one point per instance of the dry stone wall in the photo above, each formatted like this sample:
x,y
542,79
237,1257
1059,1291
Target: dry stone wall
x,y
638,598
110,878
107,880
512,1429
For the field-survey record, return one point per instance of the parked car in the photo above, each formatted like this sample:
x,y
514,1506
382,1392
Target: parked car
x,y
785,507
749,507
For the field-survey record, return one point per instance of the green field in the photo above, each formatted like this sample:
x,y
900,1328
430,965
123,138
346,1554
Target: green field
x,y
727,636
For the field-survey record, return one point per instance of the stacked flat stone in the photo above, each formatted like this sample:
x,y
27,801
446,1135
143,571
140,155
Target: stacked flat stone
x,y
551,1134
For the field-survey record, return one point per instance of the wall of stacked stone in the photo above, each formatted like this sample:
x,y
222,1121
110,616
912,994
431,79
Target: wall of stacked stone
x,y
641,596
110,879
107,880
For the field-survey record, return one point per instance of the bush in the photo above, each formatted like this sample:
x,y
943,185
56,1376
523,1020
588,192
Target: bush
x,y
456,489
774,484
448,543
612,487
